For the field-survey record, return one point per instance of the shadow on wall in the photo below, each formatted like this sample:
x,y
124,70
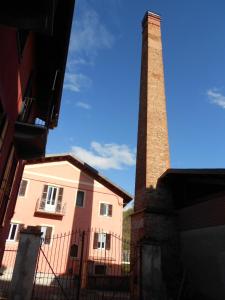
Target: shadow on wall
x,y
82,220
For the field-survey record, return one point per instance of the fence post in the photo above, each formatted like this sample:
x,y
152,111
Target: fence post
x,y
25,265
81,266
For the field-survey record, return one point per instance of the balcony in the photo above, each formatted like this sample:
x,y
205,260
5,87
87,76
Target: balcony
x,y
57,213
30,140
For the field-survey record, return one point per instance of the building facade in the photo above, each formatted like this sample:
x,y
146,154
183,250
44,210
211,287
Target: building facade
x,y
63,196
34,44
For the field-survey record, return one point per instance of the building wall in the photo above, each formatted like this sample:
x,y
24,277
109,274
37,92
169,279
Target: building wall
x,y
14,74
202,236
88,218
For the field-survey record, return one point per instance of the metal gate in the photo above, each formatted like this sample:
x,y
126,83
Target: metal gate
x,y
83,265
6,271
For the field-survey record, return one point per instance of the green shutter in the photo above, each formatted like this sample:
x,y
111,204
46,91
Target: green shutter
x,y
95,243
108,241
44,196
59,201
23,186
48,235
20,227
110,210
102,209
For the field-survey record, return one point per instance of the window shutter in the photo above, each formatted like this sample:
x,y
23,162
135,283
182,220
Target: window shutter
x,y
48,235
44,195
110,210
95,244
59,201
102,210
108,241
20,227
23,186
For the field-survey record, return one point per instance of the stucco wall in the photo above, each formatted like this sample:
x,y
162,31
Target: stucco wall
x,y
87,218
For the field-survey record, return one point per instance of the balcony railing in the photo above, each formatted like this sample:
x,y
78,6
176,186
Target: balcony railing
x,y
57,211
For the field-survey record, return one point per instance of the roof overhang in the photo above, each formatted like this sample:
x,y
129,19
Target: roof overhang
x,y
90,171
191,186
52,54
51,21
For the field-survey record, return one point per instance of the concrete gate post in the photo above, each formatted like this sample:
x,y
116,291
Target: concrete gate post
x,y
25,265
152,286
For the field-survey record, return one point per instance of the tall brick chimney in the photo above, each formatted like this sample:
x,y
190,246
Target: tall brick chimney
x,y
152,145
154,235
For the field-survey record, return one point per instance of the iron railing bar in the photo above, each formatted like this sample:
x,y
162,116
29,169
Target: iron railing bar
x,y
80,267
57,279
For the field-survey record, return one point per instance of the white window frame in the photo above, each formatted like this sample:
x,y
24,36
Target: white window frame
x,y
56,198
84,198
107,210
101,240
10,232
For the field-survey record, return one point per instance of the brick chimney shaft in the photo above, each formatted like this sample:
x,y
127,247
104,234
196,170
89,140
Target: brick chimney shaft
x,y
152,145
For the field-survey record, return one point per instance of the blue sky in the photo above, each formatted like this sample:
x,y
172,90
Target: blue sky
x,y
98,120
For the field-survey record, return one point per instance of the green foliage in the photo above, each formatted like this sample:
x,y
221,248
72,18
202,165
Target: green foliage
x,y
127,228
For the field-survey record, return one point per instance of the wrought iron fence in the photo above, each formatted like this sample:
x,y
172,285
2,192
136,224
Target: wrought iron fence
x,y
6,270
83,265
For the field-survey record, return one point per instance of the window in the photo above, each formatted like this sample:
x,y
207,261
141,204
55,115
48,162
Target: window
x,y
100,269
23,187
14,232
80,199
74,250
102,241
46,233
51,199
106,209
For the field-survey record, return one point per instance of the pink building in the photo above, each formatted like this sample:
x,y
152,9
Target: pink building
x,y
67,197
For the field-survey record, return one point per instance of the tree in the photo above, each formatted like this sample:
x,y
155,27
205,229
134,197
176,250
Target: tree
x,y
127,228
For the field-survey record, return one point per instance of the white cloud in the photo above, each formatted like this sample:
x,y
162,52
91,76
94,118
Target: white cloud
x,y
83,105
74,82
90,34
106,156
216,97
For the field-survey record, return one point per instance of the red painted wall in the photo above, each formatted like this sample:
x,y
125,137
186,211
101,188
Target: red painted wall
x,y
14,75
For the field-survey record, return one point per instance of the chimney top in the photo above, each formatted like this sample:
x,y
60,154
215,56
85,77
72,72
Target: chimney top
x,y
152,15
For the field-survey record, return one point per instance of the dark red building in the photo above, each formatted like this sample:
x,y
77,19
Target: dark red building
x,y
34,39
